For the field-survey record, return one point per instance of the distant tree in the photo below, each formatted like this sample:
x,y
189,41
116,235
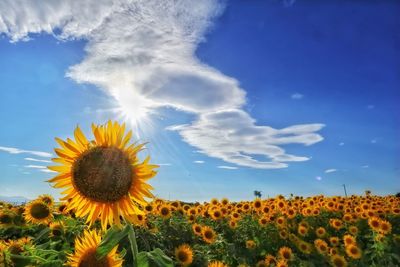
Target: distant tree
x,y
257,193
398,194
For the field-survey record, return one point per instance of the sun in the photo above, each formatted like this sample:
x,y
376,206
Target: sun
x,y
135,109
85,253
103,178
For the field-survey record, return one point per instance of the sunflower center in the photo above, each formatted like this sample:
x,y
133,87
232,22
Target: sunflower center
x,y
208,234
183,256
5,219
89,260
103,174
40,211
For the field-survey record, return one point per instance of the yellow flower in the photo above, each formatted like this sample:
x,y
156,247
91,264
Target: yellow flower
x,y
285,253
334,241
208,234
336,223
56,228
282,263
353,230
304,247
349,240
353,251
302,230
269,259
47,199
320,232
217,264
197,230
374,223
338,261
85,253
184,255
385,227
6,218
103,178
165,211
321,246
250,244
38,212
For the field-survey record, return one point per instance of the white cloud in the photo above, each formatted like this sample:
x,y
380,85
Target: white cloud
x,y
142,53
164,164
35,166
365,166
341,144
318,178
199,161
13,150
330,170
297,96
233,136
37,160
373,141
227,167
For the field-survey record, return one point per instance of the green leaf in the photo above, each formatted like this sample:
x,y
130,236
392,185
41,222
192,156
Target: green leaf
x,y
110,240
142,259
42,233
155,258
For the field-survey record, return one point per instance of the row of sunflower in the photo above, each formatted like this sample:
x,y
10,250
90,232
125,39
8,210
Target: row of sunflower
x,y
104,220
355,231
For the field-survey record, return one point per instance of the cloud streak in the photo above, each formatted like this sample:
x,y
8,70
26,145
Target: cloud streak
x,y
330,170
13,150
142,53
227,167
37,160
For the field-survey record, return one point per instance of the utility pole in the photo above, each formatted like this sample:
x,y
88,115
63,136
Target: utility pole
x,y
345,192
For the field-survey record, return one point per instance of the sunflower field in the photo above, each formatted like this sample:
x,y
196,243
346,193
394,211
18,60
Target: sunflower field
x,y
108,217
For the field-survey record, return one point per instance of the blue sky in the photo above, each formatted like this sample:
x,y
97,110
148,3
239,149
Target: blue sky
x,y
232,96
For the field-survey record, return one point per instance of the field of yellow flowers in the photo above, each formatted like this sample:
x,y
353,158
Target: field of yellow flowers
x,y
313,231
104,219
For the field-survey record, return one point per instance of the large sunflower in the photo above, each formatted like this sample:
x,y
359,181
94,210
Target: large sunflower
x,y
85,253
103,177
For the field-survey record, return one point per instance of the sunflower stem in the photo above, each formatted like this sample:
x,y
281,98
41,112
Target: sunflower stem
x,y
134,248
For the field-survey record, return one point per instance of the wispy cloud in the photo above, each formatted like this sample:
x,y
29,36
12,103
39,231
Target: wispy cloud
x,y
164,164
39,168
228,167
38,160
35,166
199,161
365,166
297,96
142,53
341,144
330,170
13,150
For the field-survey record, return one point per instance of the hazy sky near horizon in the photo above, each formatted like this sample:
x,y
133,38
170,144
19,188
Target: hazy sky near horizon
x,y
232,96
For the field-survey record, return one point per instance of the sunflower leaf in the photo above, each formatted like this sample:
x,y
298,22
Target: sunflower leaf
x,y
111,239
155,258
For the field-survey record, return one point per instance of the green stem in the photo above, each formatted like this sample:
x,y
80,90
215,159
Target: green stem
x,y
134,248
